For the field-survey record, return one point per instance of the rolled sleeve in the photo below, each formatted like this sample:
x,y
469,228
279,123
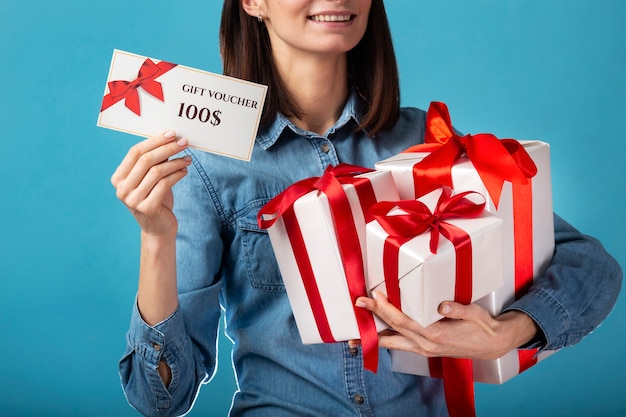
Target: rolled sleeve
x,y
547,313
146,347
150,341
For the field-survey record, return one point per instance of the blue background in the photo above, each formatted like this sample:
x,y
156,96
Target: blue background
x,y
528,69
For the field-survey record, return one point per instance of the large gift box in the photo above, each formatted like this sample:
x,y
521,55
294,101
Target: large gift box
x,y
515,177
417,268
317,231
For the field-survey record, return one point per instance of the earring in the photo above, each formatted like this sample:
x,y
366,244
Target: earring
x,y
260,18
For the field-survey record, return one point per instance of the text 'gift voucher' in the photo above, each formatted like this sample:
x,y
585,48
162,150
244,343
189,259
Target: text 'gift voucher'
x,y
216,113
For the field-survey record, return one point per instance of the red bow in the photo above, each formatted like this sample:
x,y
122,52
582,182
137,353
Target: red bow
x,y
496,160
417,217
127,90
276,207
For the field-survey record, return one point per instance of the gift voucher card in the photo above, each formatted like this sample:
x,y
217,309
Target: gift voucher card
x,y
216,113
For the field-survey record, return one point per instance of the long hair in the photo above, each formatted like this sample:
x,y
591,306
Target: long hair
x,y
372,69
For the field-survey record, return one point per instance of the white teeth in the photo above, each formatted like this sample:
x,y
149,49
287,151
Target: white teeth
x,y
331,18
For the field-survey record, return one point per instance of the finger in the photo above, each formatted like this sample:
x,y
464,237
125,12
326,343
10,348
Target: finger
x,y
471,312
366,302
354,343
156,183
395,318
458,311
151,158
151,167
137,151
381,307
391,339
395,341
163,188
453,310
416,343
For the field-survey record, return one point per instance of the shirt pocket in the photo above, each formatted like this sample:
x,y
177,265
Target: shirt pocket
x,y
257,253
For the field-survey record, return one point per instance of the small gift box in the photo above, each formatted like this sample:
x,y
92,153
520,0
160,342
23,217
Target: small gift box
x,y
317,231
419,270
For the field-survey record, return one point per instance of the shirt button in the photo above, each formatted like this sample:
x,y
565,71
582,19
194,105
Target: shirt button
x,y
156,346
325,147
359,399
354,351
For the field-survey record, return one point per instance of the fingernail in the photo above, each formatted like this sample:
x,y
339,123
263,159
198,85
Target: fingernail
x,y
354,344
375,295
445,308
169,134
182,142
360,303
187,158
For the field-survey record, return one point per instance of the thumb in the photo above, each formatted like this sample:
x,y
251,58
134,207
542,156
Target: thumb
x,y
453,310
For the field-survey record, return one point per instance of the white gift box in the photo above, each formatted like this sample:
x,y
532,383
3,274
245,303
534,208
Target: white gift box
x,y
465,177
495,371
314,218
427,279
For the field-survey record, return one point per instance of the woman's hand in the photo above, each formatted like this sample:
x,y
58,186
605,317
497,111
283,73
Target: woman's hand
x,y
466,331
144,183
145,178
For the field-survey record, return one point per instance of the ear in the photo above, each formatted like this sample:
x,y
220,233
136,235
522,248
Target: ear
x,y
254,8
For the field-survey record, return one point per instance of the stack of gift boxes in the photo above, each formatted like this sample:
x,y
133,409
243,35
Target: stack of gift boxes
x,y
464,218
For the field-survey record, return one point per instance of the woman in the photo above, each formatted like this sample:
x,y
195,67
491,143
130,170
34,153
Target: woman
x,y
333,97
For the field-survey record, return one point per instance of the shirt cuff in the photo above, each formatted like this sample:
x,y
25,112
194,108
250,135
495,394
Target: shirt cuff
x,y
550,317
157,342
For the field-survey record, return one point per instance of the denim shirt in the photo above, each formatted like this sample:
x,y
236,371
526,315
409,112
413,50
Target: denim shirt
x,y
225,260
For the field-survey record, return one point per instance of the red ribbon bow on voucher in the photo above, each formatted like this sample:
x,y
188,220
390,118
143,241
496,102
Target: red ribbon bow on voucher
x,y
127,90
416,217
348,241
496,160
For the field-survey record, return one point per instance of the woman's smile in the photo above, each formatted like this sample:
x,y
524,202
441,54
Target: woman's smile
x,y
332,17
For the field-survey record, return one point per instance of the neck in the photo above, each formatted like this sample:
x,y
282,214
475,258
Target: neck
x,y
319,87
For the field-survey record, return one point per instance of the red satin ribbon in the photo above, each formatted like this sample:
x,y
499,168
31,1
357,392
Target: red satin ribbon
x,y
524,260
127,90
330,183
495,160
458,384
415,220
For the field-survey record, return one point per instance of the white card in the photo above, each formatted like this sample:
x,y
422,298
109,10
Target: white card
x,y
216,113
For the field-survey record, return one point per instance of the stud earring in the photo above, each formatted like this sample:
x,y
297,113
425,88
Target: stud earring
x,y
260,18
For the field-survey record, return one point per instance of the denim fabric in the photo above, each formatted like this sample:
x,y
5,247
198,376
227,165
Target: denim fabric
x,y
225,260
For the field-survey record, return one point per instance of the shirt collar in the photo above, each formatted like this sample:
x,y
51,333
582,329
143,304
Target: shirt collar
x,y
269,135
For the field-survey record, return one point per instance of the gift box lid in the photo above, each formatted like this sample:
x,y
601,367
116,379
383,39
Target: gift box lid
x,y
415,252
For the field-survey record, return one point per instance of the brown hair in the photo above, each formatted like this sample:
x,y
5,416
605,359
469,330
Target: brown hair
x,y
372,68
